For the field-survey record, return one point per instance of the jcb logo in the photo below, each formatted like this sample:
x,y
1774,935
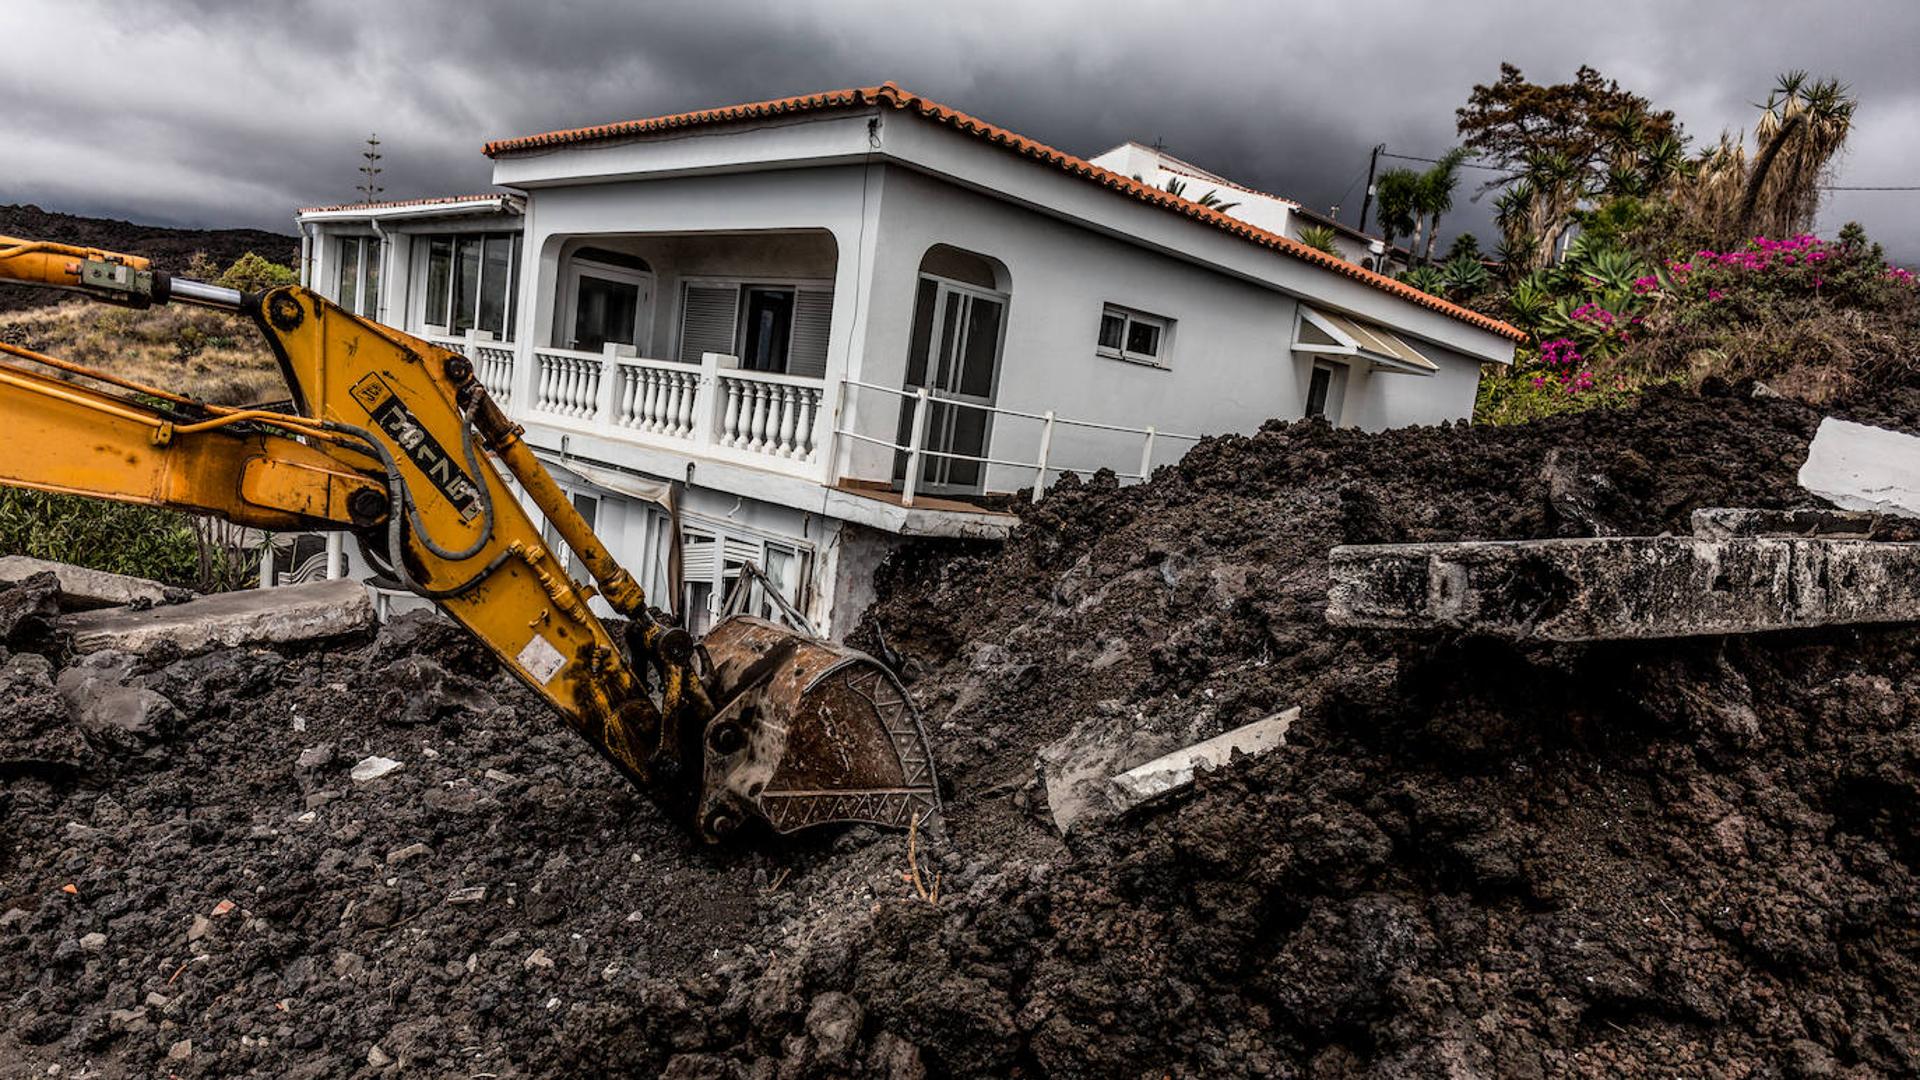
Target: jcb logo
x,y
416,444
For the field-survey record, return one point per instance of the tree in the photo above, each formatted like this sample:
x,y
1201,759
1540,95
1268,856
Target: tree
x,y
1394,196
251,273
1434,195
1800,133
1564,146
369,187
1211,200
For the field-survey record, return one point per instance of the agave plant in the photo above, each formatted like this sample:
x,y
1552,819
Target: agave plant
x,y
1530,302
1463,276
1425,278
1321,238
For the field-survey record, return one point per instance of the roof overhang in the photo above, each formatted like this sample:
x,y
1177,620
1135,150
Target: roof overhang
x,y
1333,334
448,206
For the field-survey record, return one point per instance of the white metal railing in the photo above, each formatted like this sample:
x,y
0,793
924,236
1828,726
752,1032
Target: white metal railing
x,y
917,450
769,414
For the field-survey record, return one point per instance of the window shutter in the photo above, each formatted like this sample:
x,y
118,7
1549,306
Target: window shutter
x,y
696,556
812,316
707,321
743,551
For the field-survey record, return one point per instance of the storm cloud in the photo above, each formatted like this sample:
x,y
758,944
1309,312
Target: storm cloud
x,y
207,112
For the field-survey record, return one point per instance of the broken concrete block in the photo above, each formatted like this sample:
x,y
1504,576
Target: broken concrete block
x,y
294,613
82,589
28,609
1171,772
1858,467
102,703
1624,587
373,768
1723,523
1077,767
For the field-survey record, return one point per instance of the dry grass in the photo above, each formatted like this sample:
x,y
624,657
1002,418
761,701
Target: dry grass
x,y
207,355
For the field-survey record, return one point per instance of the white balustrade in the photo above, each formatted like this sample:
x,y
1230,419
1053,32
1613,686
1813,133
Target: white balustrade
x,y
569,383
493,366
766,414
658,397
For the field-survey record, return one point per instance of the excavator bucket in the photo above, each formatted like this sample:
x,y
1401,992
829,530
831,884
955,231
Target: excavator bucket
x,y
806,732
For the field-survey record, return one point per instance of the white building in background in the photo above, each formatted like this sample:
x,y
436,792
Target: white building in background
x,y
796,332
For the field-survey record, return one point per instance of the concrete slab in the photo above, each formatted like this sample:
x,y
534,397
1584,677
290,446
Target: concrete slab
x,y
1859,467
1624,587
294,613
1076,768
83,589
1726,524
1165,775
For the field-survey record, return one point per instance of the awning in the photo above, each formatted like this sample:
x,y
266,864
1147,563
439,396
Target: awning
x,y
615,481
1341,335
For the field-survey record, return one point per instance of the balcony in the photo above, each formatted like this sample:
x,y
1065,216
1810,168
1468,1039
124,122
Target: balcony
x,y
710,410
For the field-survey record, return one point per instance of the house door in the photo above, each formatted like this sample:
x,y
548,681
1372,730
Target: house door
x,y
956,339
607,304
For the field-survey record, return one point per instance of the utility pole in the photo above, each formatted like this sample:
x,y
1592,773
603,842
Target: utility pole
x,y
1366,203
370,188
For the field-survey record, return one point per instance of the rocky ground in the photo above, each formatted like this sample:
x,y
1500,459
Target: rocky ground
x,y
1471,858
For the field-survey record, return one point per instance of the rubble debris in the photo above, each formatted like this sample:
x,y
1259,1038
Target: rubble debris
x,y
373,768
83,589
1174,772
294,613
1862,467
1469,859
37,733
28,609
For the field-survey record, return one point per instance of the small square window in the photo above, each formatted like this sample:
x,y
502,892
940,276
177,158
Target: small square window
x,y
1133,335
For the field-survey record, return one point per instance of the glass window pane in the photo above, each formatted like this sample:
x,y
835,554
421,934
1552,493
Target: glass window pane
x,y
949,333
922,333
493,285
982,348
466,282
1112,327
769,329
439,278
513,286
1143,338
1317,391
347,288
370,292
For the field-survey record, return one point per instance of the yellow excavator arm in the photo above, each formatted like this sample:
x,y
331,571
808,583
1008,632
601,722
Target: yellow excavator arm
x,y
393,439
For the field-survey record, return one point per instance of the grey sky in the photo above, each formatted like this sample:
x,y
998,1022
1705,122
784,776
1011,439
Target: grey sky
x,y
211,112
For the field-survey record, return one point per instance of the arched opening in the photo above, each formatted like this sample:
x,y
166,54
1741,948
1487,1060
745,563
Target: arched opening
x,y
959,324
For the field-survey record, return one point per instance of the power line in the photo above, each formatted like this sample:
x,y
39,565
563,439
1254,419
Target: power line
x,y
1824,187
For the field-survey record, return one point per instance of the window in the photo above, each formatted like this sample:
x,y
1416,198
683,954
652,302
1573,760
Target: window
x,y
1134,336
1326,391
778,328
358,287
471,282
767,328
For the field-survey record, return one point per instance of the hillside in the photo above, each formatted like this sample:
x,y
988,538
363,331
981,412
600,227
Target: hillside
x,y
170,249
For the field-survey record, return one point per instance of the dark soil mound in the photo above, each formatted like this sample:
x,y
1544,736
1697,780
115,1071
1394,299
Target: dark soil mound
x,y
170,249
1470,859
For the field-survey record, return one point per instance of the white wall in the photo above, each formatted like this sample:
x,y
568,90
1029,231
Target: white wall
x,y
1229,366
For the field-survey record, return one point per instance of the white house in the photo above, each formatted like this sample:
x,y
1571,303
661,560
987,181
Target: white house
x,y
794,332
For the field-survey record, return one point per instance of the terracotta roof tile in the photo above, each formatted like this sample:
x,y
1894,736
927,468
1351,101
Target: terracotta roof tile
x,y
887,95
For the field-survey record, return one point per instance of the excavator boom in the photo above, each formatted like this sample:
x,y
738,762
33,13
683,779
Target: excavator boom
x,y
393,439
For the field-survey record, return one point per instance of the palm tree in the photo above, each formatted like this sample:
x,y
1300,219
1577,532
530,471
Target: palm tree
x,y
1434,196
1322,238
1211,200
1394,194
1803,127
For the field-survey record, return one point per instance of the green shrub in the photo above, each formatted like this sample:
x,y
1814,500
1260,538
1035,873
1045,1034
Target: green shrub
x,y
251,273
164,545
